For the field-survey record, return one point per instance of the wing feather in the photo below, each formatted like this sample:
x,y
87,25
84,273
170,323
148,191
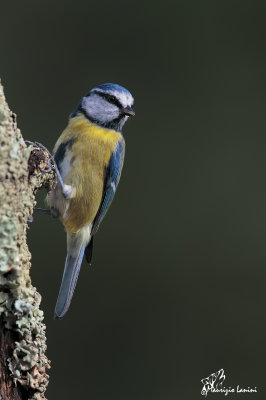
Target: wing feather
x,y
112,176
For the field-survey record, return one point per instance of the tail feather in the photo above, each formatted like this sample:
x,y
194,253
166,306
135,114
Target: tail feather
x,y
71,273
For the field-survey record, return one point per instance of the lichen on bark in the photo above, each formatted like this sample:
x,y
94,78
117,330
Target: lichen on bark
x,y
23,366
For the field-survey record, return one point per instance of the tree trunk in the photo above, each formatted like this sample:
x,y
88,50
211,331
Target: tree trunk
x,y
23,170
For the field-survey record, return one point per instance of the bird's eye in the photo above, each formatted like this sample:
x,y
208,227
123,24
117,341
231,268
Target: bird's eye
x,y
112,99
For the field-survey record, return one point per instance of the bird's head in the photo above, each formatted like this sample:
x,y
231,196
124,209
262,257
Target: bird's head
x,y
108,105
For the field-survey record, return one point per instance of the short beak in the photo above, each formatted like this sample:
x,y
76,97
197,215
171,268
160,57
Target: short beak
x,y
128,111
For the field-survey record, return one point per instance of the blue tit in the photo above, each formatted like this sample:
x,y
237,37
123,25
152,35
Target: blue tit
x,y
89,155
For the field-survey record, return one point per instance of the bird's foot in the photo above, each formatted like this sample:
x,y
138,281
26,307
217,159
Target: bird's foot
x,y
49,211
42,210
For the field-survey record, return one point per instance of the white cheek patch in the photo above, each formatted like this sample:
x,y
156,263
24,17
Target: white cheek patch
x,y
99,109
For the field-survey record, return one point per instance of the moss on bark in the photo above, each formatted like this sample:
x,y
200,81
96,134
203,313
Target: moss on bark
x,y
23,170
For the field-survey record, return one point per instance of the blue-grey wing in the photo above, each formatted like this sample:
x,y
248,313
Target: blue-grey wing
x,y
112,176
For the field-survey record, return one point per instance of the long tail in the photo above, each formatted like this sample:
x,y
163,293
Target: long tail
x,y
68,284
76,244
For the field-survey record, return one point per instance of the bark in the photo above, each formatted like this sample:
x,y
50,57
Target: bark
x,y
23,363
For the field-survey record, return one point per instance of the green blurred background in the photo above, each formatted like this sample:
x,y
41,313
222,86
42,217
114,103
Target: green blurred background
x,y
177,286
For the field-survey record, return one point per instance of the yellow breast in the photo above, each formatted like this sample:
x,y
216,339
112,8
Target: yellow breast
x,y
88,156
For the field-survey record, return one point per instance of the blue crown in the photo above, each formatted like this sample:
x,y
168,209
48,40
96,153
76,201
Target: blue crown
x,y
112,87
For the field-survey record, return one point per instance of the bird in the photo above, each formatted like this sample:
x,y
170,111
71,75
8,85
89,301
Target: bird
x,y
89,157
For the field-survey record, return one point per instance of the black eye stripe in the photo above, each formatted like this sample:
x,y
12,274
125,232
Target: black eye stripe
x,y
109,98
